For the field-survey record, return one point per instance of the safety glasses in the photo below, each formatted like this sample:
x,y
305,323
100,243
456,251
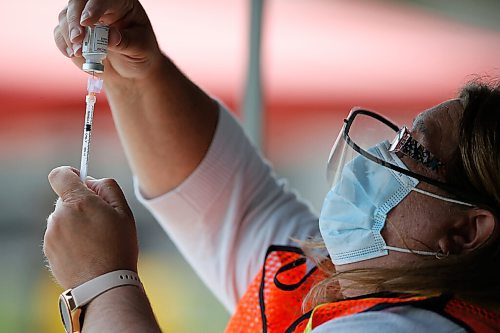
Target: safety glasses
x,y
363,129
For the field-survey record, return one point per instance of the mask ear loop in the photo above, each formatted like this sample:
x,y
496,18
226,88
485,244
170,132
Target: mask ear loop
x,y
407,249
437,196
400,163
419,252
441,255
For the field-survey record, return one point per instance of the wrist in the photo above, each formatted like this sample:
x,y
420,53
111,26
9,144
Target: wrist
x,y
72,301
122,309
110,296
165,87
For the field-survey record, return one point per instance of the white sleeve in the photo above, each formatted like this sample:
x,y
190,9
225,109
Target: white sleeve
x,y
402,319
228,211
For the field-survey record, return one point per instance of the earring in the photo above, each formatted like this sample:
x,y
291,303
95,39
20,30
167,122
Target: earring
x,y
441,255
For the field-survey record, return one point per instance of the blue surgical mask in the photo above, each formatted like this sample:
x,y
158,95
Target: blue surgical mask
x,y
355,209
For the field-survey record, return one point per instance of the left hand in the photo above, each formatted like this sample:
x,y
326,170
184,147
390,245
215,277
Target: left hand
x,y
91,231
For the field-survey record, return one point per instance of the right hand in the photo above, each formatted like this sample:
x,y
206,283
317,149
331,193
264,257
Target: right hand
x,y
133,52
91,231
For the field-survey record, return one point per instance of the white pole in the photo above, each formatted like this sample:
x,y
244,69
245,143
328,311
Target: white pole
x,y
253,99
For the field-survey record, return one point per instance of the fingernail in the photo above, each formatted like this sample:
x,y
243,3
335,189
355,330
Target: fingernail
x,y
69,52
75,32
85,15
76,47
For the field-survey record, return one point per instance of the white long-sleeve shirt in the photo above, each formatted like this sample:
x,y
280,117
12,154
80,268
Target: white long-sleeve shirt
x,y
225,215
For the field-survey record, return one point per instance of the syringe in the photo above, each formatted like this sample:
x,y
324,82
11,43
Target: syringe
x,y
94,86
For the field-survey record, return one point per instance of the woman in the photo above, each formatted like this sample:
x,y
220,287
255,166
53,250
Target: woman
x,y
410,226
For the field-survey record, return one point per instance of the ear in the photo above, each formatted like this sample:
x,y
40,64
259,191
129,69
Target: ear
x,y
469,233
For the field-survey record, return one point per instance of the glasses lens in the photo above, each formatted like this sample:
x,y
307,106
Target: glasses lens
x,y
365,132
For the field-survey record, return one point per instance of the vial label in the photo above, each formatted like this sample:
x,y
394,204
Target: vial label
x,y
96,40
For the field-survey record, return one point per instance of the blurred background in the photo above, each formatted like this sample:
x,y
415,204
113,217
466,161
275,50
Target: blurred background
x,y
319,59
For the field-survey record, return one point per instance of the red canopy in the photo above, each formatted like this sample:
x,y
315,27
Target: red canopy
x,y
316,54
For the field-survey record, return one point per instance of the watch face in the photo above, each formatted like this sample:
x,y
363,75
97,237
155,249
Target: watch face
x,y
65,314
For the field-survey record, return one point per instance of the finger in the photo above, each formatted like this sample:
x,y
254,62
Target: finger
x,y
114,37
65,181
109,190
61,43
130,42
63,29
73,14
78,60
105,11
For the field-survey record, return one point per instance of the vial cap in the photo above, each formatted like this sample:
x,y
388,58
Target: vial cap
x,y
93,67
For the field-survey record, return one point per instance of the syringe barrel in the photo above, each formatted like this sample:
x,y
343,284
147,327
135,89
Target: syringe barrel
x,y
90,99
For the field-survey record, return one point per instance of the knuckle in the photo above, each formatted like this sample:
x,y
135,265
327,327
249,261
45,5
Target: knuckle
x,y
62,14
73,18
62,45
57,221
54,224
59,39
110,182
73,4
70,194
69,212
46,244
81,205
50,237
45,250
95,5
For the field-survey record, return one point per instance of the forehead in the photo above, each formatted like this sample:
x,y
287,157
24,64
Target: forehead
x,y
437,128
450,109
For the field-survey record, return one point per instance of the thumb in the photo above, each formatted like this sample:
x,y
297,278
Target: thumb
x,y
131,41
109,190
114,38
65,181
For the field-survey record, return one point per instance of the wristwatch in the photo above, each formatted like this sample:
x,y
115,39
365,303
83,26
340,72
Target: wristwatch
x,y
72,300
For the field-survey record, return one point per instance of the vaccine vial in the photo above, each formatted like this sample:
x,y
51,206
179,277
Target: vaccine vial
x,y
94,48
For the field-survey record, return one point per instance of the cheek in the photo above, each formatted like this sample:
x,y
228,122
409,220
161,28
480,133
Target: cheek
x,y
409,224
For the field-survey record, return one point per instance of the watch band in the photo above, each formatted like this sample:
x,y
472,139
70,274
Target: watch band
x,y
89,290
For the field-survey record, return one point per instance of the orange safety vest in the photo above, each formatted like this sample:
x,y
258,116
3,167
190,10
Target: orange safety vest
x,y
273,301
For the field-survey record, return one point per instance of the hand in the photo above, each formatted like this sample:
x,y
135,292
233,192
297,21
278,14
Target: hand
x,y
132,49
91,231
